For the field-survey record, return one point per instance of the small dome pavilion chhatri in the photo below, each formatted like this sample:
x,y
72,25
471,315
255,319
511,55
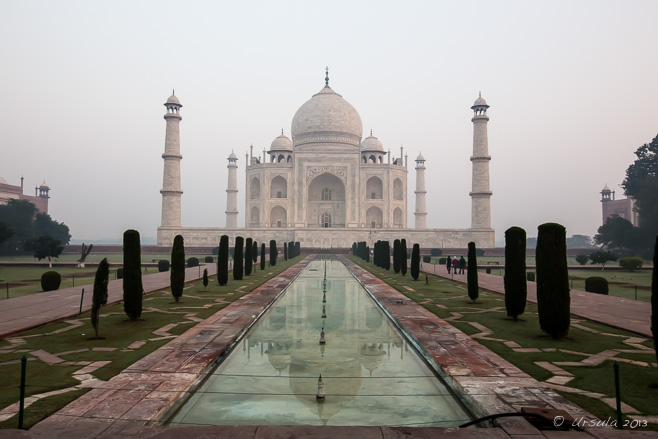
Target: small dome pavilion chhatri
x,y
326,186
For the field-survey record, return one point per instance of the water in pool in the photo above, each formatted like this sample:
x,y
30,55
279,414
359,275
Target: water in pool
x,y
370,375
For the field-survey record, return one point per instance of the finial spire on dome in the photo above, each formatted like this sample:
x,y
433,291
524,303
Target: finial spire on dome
x,y
173,92
371,131
326,78
282,131
479,94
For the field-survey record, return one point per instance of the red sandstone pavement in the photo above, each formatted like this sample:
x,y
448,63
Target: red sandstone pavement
x,y
20,314
631,315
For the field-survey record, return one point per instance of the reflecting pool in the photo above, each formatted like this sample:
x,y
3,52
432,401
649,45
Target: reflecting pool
x,y
370,375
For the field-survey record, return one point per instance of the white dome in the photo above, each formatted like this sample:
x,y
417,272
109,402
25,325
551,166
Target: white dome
x,y
606,189
281,143
327,117
173,100
233,156
372,143
420,157
3,181
480,102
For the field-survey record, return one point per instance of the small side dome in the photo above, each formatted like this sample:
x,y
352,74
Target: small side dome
x,y
233,156
420,157
606,189
281,143
44,185
173,99
480,102
372,143
3,181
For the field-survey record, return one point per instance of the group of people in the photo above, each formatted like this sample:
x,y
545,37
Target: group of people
x,y
456,264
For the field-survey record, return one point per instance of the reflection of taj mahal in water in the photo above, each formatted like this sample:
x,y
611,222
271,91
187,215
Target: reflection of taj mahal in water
x,y
371,375
327,187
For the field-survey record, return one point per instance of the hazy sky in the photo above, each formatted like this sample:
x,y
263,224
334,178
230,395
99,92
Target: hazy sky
x,y
572,87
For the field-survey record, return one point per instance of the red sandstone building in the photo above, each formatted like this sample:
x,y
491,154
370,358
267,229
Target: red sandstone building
x,y
40,198
624,207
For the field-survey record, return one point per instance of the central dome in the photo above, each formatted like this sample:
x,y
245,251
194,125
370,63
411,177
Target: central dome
x,y
327,118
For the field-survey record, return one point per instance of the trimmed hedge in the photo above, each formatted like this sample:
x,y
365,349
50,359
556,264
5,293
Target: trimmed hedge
x,y
192,262
436,252
442,261
209,260
553,299
427,259
631,263
516,288
163,265
120,273
50,281
596,284
530,276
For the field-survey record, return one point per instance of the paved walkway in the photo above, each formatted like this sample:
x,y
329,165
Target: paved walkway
x,y
626,314
20,314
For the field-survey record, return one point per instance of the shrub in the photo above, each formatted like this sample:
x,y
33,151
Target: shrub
x,y
487,270
530,276
516,287
50,281
427,259
248,260
192,262
238,258
582,259
177,275
479,252
602,257
442,261
403,257
285,251
163,265
415,262
99,296
120,273
596,284
472,272
262,256
553,300
215,250
436,252
631,263
209,260
273,252
222,261
396,256
133,290
654,297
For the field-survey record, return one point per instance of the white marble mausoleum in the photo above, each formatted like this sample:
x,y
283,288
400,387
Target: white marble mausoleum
x,y
328,186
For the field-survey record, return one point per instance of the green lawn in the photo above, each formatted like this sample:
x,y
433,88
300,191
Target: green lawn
x,y
71,341
449,300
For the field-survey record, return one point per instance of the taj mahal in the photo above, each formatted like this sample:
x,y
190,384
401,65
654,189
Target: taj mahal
x,y
327,187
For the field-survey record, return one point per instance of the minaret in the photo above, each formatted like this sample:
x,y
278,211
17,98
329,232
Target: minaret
x,y
480,194
171,191
421,209
232,192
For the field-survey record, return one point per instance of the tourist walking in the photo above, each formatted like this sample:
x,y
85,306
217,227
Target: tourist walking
x,y
455,265
462,265
449,263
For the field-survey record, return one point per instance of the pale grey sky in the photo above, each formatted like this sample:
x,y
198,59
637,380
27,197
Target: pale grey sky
x,y
571,84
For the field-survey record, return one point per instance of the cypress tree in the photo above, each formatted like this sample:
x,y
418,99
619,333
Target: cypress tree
x,y
262,256
403,257
516,286
254,252
222,261
274,252
375,254
415,261
354,249
205,278
396,256
132,275
472,272
654,298
238,258
386,254
248,261
553,300
367,253
285,251
99,298
177,274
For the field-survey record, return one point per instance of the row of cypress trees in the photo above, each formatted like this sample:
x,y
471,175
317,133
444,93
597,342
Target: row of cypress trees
x,y
362,250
